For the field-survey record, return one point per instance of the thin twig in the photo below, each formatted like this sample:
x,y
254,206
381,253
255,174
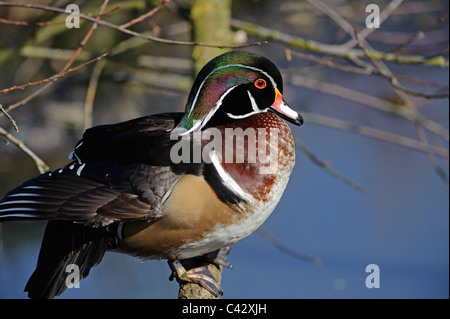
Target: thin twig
x,y
124,30
90,95
64,69
430,156
328,62
52,78
359,70
333,15
419,33
13,122
41,166
410,114
300,43
282,247
388,10
377,134
392,78
142,17
92,88
86,38
48,23
347,27
327,167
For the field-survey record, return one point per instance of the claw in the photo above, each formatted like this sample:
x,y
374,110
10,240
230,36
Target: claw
x,y
200,276
219,257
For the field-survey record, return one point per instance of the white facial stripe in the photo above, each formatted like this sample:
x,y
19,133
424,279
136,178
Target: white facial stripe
x,y
200,124
253,102
274,84
242,116
227,180
218,104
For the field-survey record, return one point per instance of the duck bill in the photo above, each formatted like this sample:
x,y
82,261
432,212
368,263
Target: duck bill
x,y
284,111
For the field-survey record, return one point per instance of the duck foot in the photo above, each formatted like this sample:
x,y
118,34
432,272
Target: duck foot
x,y
201,275
219,257
198,275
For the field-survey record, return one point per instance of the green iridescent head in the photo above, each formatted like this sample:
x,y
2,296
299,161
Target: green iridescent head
x,y
234,85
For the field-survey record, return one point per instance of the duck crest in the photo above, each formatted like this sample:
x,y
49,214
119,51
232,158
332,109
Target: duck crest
x,y
211,93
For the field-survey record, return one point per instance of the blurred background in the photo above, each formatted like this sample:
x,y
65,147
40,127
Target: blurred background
x,y
370,185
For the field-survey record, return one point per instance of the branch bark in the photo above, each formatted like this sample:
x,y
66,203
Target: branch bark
x,y
334,50
193,291
125,30
211,24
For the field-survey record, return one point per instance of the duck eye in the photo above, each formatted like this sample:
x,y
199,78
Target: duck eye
x,y
260,84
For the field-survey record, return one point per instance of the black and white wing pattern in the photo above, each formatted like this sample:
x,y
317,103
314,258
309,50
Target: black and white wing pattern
x,y
117,173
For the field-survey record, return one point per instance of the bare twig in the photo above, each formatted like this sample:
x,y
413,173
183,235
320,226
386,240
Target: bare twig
x,y
282,247
90,95
377,134
124,30
52,78
410,114
359,70
142,17
388,10
41,166
297,42
48,23
384,72
430,156
333,15
328,62
347,27
379,70
86,38
419,33
327,167
66,66
13,122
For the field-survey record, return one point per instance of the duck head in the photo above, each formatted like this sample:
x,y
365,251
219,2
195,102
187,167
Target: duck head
x,y
233,86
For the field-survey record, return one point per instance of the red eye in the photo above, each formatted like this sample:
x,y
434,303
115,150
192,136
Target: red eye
x,y
260,84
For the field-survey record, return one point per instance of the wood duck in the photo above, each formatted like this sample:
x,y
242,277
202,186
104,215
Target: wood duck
x,y
130,187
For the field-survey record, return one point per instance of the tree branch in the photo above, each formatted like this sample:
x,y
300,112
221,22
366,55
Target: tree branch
x,y
410,114
52,78
13,122
378,134
41,166
327,167
297,42
125,30
287,250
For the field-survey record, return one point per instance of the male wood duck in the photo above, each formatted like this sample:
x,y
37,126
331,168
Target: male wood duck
x,y
126,189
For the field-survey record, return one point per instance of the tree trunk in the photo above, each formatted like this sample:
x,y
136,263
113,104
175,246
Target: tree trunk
x,y
210,24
